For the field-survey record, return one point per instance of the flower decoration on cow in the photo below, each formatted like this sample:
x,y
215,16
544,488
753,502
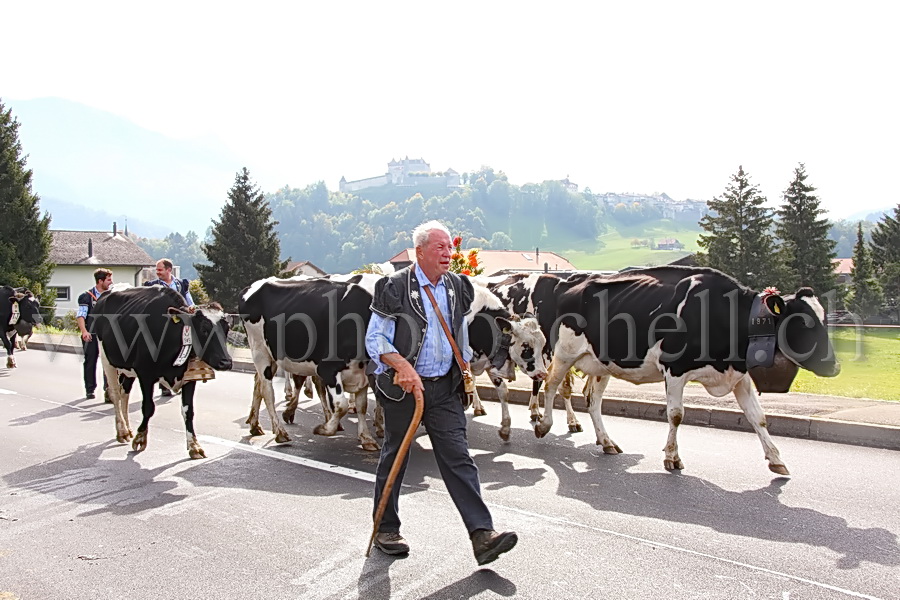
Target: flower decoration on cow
x,y
462,262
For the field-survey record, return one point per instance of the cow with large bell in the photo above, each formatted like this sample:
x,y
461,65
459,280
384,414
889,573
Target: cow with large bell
x,y
680,324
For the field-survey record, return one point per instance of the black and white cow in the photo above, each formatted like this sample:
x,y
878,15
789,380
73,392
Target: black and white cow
x,y
18,308
309,327
279,316
680,324
149,333
530,294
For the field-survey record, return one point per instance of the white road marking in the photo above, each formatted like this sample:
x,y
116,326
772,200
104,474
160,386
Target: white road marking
x,y
2,391
297,460
370,478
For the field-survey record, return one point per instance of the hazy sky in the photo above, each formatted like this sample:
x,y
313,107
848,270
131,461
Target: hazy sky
x,y
625,97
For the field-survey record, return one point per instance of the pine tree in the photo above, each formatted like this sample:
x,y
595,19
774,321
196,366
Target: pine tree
x,y
866,296
803,231
244,245
739,240
886,258
24,234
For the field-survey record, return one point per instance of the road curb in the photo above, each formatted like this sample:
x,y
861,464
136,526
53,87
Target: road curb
x,y
809,428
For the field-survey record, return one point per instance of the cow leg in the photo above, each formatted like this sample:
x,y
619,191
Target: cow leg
x,y
566,392
477,408
148,407
268,395
559,367
674,414
533,404
119,397
334,396
593,395
324,401
187,412
292,395
749,403
253,418
503,395
9,343
366,440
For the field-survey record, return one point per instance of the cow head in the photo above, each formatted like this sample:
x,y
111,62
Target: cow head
x,y
29,307
526,344
803,335
209,333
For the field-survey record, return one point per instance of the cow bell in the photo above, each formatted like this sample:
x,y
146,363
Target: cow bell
x,y
765,313
198,370
776,378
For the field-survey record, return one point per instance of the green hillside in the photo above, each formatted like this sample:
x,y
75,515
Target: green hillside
x,y
615,250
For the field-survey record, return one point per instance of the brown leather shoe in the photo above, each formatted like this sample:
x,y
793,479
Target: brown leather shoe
x,y
391,543
487,544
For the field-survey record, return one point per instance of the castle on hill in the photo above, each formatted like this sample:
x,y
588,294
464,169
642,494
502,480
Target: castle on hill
x,y
407,172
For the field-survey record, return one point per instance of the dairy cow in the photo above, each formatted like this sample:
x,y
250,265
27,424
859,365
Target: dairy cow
x,y
316,327
680,324
532,295
19,309
149,333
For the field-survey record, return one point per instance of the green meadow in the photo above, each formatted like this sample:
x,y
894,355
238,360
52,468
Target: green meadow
x,y
870,366
618,249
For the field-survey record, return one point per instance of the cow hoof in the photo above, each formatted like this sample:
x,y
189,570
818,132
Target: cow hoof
x,y
10,362
122,439
140,442
504,435
288,416
479,412
576,428
340,427
196,452
282,437
541,430
370,446
611,449
535,417
307,392
673,465
780,469
351,410
322,430
256,430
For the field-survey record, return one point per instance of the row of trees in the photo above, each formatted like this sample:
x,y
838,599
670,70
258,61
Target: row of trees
x,y
790,247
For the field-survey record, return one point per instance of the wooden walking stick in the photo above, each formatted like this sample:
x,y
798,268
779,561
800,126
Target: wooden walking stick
x,y
398,462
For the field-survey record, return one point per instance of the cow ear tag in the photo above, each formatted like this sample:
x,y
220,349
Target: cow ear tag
x,y
175,319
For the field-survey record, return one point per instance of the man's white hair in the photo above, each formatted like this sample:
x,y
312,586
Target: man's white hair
x,y
420,233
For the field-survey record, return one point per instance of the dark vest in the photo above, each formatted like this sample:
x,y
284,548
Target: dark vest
x,y
88,299
400,297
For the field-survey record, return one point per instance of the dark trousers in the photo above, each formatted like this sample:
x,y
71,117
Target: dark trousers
x,y
91,354
445,422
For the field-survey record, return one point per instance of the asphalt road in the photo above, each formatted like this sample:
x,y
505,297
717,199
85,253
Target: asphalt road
x,y
82,516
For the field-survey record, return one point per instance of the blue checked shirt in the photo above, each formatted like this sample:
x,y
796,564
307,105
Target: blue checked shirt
x,y
436,355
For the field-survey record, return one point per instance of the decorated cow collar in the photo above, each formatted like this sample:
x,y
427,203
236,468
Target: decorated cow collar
x,y
766,312
15,313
